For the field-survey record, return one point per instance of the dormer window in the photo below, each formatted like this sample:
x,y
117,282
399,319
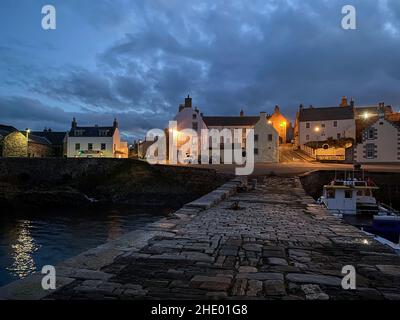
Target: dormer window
x,y
78,133
103,133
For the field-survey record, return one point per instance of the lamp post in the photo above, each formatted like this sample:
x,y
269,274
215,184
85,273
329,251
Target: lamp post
x,y
27,130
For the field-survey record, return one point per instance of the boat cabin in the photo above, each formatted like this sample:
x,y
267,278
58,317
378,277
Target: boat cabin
x,y
350,197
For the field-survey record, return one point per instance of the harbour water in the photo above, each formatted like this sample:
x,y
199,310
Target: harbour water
x,y
30,241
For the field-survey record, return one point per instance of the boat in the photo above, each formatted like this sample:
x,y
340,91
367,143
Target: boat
x,y
352,197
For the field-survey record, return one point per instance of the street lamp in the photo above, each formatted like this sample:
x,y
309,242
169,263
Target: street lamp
x,y
27,130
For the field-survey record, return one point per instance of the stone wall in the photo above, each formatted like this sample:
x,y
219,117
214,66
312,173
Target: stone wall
x,y
14,145
37,150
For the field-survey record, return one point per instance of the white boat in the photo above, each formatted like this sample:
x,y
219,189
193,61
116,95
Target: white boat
x,y
350,197
354,197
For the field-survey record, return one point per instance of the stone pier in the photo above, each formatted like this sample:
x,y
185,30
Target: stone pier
x,y
272,242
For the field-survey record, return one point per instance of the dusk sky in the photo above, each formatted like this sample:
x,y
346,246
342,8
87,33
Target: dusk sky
x,y
137,59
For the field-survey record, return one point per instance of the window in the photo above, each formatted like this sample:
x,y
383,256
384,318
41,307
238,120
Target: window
x,y
371,133
307,137
103,133
338,136
77,146
255,150
369,150
330,194
348,194
195,126
90,146
308,125
270,137
335,124
256,137
323,125
194,116
103,146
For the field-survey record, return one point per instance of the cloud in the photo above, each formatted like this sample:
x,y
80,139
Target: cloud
x,y
227,55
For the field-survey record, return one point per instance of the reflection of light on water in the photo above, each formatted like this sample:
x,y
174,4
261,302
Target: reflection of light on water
x,y
22,251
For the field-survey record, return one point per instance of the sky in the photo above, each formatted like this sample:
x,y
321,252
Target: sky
x,y
136,60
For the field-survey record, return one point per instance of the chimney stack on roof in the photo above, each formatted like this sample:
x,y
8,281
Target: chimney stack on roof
x,y
242,113
115,123
188,102
344,102
74,124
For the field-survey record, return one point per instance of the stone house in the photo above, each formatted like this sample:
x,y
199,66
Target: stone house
x,y
13,143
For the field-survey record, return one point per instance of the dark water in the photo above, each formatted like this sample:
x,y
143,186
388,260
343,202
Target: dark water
x,y
29,242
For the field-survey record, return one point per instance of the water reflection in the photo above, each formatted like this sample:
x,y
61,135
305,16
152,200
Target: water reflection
x,y
22,251
30,241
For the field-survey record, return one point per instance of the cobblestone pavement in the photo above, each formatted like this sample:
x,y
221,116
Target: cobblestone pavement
x,y
277,245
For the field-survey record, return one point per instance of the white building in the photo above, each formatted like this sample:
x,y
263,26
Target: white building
x,y
321,124
95,142
266,138
378,139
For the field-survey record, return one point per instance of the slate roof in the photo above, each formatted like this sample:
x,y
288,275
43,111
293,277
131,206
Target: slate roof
x,y
54,137
231,121
5,130
324,114
37,139
92,131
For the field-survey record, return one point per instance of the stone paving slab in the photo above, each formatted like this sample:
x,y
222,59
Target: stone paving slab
x,y
277,245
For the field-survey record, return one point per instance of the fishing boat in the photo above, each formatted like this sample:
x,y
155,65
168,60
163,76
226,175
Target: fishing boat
x,y
354,197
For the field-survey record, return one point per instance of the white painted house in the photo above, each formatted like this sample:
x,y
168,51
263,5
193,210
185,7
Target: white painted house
x,y
378,140
95,142
266,137
321,124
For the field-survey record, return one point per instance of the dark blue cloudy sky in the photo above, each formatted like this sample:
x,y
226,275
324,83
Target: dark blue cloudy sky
x,y
137,59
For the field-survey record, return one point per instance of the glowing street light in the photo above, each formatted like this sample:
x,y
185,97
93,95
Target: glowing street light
x,y
365,115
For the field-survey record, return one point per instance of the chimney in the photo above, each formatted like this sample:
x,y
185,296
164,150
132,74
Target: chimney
x,y
188,102
115,123
181,106
381,110
242,113
301,107
263,116
276,110
74,124
344,102
351,102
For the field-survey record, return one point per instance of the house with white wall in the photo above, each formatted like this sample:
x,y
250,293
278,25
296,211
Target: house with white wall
x,y
265,136
95,142
320,124
378,139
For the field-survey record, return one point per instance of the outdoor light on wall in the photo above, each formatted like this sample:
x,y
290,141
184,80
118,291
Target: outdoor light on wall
x,y
316,129
365,115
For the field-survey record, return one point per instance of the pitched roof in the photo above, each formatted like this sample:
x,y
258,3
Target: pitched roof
x,y
363,124
92,131
5,130
37,139
53,136
223,121
323,114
